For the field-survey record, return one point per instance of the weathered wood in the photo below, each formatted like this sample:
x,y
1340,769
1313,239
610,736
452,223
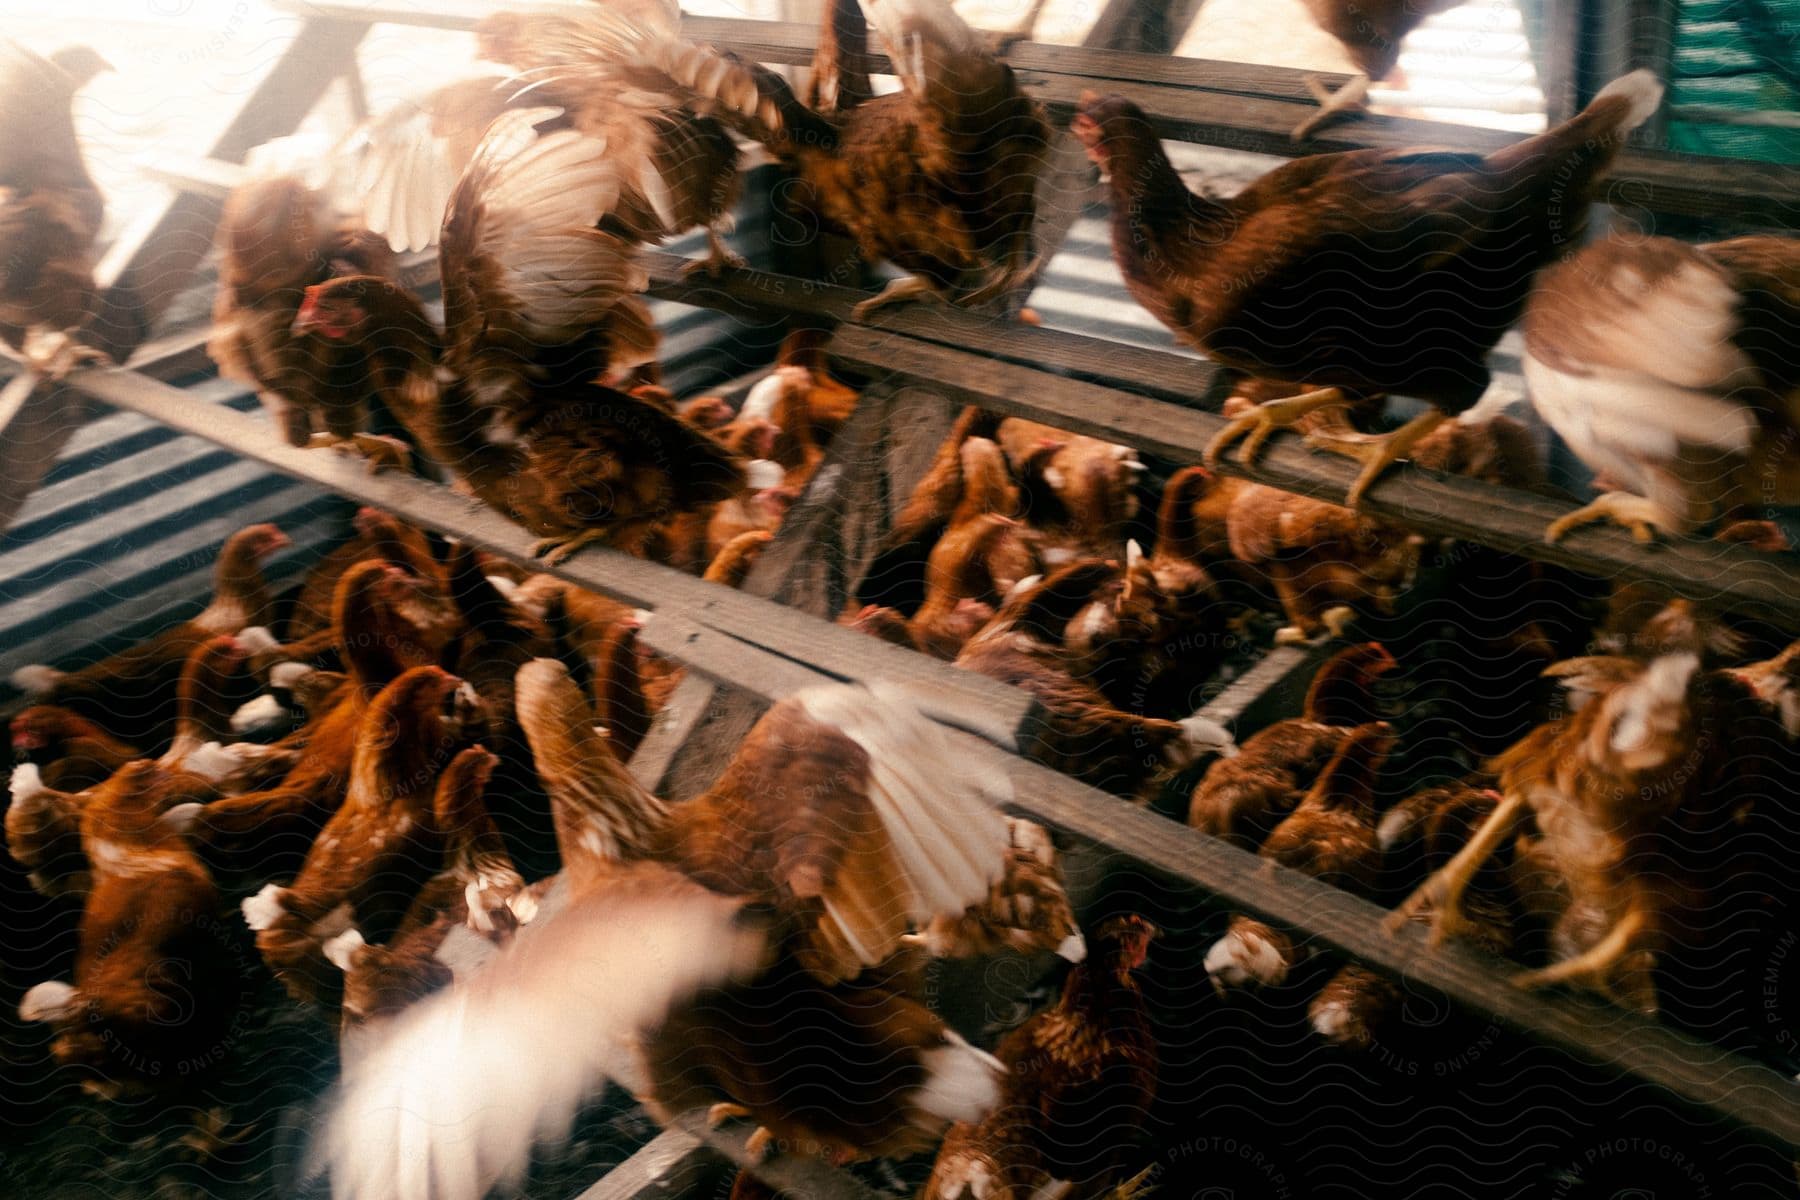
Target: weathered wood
x,y
966,701
1166,375
673,1163
1247,107
154,258
1730,1085
1508,520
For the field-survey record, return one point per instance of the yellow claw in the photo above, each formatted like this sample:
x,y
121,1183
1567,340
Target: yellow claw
x,y
1261,422
1644,518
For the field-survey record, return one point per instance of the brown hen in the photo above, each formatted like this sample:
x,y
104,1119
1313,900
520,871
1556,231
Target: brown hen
x,y
1080,1082
1359,273
1242,799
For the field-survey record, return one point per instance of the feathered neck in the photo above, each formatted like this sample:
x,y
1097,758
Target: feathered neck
x,y
1141,180
240,593
603,815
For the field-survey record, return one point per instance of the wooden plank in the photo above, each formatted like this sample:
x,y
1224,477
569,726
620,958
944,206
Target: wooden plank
x,y
674,1162
153,260
36,421
1508,520
1701,1074
801,1176
1160,373
967,701
1245,108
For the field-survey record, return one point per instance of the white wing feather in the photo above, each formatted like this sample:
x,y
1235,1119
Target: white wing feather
x,y
449,1102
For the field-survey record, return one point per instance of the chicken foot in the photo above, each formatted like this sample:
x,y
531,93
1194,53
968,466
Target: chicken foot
x,y
912,287
1351,97
1260,423
719,258
759,1141
554,550
1591,966
1441,895
378,451
1643,517
1376,451
54,355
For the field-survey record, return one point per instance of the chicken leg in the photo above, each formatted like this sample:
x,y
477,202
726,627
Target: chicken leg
x,y
1591,967
54,355
1376,451
1351,96
554,550
1441,895
898,290
1643,517
378,451
719,257
1261,422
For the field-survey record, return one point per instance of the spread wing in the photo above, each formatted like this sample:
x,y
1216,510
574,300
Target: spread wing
x,y
398,170
526,266
861,809
450,1099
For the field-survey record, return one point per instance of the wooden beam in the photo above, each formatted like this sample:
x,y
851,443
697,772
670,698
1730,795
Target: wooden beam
x,y
1706,1076
1512,521
154,259
1237,105
674,1162
1166,375
959,698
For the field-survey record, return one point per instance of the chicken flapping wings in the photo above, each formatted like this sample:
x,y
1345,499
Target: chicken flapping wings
x,y
450,1099
844,804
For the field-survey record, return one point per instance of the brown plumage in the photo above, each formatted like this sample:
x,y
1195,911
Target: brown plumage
x,y
379,535
969,573
1671,371
154,980
1324,561
386,622
507,396
725,1006
277,238
50,210
1640,816
1082,732
680,166
70,751
1359,273
1330,836
1242,799
1026,909
382,845
460,915
1080,1082
735,560
938,178
1077,493
132,695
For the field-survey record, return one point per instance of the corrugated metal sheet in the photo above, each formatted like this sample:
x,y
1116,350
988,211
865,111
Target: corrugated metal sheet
x,y
121,539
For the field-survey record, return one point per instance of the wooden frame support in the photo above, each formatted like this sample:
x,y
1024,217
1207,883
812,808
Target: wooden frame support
x,y
763,649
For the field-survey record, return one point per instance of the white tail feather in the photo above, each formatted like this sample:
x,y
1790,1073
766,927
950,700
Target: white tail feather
x,y
36,679
451,1099
255,716
27,782
265,908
